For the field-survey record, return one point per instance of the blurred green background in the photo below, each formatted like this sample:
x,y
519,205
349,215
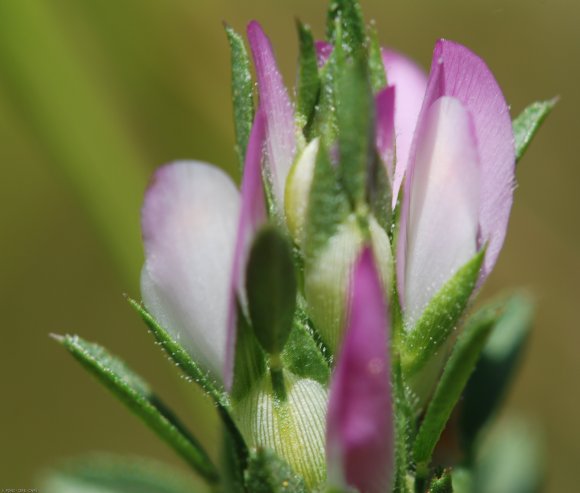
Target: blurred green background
x,y
95,94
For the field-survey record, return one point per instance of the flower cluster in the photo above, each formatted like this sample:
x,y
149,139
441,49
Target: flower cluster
x,y
319,304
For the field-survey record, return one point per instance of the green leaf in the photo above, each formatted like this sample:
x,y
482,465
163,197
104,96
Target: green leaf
x,y
271,288
132,391
348,14
376,67
355,118
308,78
455,375
242,92
193,372
528,122
327,206
117,474
440,317
495,369
510,460
267,473
303,355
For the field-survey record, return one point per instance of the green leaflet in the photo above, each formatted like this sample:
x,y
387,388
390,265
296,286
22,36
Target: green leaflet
x,y
271,288
377,72
242,92
132,391
308,88
355,119
302,355
527,123
495,369
347,14
267,473
455,375
327,206
117,474
440,317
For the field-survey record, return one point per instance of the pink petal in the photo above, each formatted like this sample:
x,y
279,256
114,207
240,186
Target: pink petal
x,y
252,216
457,72
444,197
280,129
323,51
385,138
360,417
189,222
410,82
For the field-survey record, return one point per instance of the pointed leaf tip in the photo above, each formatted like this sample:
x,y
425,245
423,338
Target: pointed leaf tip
x,y
528,122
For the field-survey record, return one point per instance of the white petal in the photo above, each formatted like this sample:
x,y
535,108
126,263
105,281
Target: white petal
x,y
189,221
444,204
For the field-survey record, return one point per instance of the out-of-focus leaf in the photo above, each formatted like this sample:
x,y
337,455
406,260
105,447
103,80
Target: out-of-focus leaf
x,y
271,288
117,474
495,369
347,14
510,461
77,122
308,77
455,375
267,473
242,92
134,392
355,118
527,123
440,317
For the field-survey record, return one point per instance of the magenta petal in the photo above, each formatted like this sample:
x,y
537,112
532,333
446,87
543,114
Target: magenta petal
x,y
359,436
410,82
385,138
278,111
252,216
323,52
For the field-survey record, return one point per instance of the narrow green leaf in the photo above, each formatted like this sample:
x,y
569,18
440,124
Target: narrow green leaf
x,y
308,77
267,473
440,317
132,391
242,92
302,355
355,118
181,357
117,474
348,14
193,372
271,288
327,206
455,375
376,67
527,123
495,369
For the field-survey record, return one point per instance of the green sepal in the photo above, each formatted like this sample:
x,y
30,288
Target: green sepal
x,y
271,288
495,369
440,317
242,92
193,372
117,474
348,14
442,484
134,392
308,89
267,473
377,72
381,195
527,123
451,384
355,119
327,206
303,355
